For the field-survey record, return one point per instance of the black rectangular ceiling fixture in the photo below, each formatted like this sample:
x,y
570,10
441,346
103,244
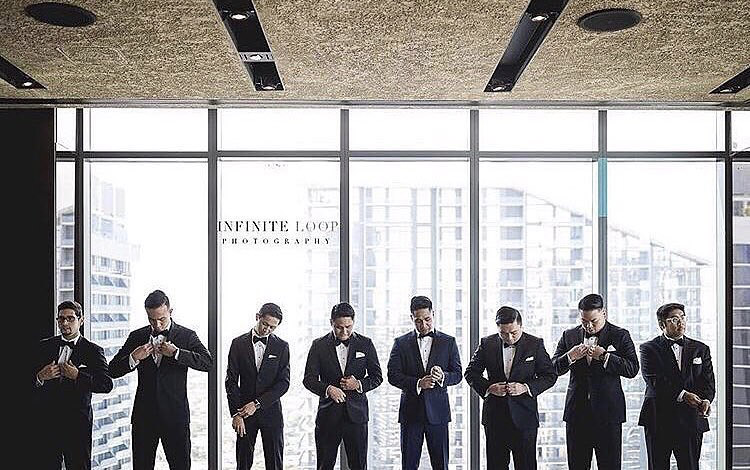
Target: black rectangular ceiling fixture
x,y
241,20
17,77
735,84
533,26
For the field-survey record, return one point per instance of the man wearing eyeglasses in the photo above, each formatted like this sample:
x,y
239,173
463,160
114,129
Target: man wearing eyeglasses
x,y
680,387
161,352
597,353
69,368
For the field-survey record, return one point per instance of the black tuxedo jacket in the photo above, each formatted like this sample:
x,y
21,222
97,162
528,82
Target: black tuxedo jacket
x,y
322,369
405,369
592,382
664,382
531,366
244,383
162,391
65,397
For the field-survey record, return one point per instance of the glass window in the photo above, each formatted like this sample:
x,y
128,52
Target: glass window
x,y
65,129
665,130
279,242
538,130
740,413
162,208
531,273
740,131
409,129
409,265
662,247
279,129
65,236
140,129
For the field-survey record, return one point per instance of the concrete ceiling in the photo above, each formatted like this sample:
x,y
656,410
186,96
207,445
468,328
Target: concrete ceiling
x,y
371,50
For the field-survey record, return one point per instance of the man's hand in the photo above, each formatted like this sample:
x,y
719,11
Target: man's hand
x,y
596,352
336,394
248,410
426,382
515,389
349,383
499,389
437,373
68,370
142,352
238,424
577,352
167,348
48,372
692,400
705,408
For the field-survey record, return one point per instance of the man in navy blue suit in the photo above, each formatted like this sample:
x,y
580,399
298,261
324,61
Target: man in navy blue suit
x,y
423,363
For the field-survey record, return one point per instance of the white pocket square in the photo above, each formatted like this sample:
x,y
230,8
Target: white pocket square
x,y
611,348
530,358
359,354
697,360
271,356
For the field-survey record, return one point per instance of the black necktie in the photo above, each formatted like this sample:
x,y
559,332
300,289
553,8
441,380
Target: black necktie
x,y
345,342
262,339
430,334
680,341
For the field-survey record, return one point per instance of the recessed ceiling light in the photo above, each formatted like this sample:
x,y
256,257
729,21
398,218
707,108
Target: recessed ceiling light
x,y
735,84
609,20
539,17
17,77
255,57
26,84
60,14
240,15
269,87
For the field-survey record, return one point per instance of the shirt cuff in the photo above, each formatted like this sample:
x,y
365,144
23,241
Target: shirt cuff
x,y
177,354
570,361
442,380
528,390
680,396
133,362
359,386
419,390
606,359
39,382
327,395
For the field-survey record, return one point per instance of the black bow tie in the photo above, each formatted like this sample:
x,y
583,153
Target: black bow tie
x,y
589,335
164,333
70,344
262,339
507,345
680,341
345,342
431,334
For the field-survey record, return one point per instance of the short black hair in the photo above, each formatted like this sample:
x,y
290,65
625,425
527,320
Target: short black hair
x,y
507,315
271,309
71,305
156,299
419,302
591,302
664,311
342,310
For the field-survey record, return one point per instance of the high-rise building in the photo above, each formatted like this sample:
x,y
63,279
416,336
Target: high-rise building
x,y
741,320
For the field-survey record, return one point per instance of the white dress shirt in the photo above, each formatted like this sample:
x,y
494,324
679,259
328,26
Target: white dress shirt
x,y
342,351
154,340
425,347
259,349
508,354
63,356
677,351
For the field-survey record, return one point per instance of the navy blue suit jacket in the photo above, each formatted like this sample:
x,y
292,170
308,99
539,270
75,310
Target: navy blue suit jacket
x,y
405,369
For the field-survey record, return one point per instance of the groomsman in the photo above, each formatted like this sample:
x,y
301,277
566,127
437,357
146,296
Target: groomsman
x,y
68,369
680,387
597,353
341,368
161,352
257,377
423,364
518,370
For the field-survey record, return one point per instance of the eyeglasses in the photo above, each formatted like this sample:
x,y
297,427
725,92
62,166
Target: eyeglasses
x,y
677,320
67,319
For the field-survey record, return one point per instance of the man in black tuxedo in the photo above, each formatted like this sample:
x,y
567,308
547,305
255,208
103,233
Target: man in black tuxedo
x,y
341,368
161,353
423,364
597,353
518,370
257,377
680,387
68,368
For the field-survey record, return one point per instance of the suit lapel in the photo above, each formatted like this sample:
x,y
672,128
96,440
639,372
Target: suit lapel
x,y
667,351
520,352
350,353
270,347
498,351
436,341
332,352
415,351
687,357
